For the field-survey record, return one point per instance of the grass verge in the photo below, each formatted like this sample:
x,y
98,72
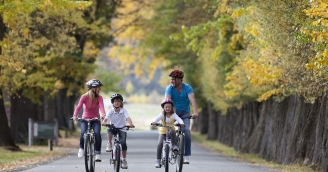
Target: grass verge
x,y
36,154
251,158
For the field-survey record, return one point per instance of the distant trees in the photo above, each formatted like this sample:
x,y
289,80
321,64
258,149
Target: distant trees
x,y
236,51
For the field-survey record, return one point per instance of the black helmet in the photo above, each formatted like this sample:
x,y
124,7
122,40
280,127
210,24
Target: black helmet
x,y
94,83
116,96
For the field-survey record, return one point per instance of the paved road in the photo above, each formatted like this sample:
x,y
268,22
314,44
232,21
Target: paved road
x,y
141,158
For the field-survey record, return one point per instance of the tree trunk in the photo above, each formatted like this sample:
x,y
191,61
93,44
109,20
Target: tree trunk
x,y
325,140
49,107
307,141
60,102
6,141
213,125
21,109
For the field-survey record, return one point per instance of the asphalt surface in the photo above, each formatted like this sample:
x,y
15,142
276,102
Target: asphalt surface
x,y
141,158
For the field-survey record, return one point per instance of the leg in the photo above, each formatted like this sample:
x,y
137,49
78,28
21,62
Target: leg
x,y
160,146
122,140
173,137
110,136
96,128
187,137
83,129
186,131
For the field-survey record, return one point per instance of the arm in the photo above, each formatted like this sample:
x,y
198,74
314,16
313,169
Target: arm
x,y
104,122
130,122
101,107
194,105
157,119
168,91
78,108
177,118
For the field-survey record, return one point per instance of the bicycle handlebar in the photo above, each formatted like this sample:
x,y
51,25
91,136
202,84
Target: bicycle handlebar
x,y
167,126
87,120
189,117
112,126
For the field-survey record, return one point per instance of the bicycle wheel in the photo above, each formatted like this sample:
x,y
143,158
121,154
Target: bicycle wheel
x,y
166,164
180,142
117,161
92,154
86,152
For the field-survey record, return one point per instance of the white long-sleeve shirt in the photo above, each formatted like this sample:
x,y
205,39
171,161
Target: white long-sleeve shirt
x,y
175,116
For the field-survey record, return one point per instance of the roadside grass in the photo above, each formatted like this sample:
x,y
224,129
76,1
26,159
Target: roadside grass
x,y
37,154
251,158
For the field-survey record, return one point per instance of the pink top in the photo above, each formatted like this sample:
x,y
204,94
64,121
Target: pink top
x,y
93,110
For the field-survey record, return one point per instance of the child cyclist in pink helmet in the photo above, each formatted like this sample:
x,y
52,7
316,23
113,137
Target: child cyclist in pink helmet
x,y
167,117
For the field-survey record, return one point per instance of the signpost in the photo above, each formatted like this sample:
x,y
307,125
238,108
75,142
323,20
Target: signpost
x,y
43,130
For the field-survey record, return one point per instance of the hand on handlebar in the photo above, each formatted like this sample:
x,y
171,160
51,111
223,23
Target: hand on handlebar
x,y
194,116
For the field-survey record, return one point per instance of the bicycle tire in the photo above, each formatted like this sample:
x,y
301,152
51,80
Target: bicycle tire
x,y
86,152
117,162
181,140
166,165
92,154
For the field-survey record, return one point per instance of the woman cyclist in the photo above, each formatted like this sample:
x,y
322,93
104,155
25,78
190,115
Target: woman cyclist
x,y
92,102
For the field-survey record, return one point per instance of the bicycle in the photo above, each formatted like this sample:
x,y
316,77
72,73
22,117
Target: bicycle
x,y
117,147
168,156
180,142
89,145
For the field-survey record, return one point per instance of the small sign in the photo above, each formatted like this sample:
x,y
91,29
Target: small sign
x,y
44,130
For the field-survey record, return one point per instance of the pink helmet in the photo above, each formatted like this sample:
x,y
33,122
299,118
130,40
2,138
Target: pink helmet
x,y
167,100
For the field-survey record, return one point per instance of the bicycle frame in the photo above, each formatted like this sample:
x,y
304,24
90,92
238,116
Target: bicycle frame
x,y
117,148
168,156
89,145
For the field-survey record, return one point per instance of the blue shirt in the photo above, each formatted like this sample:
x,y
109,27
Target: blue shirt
x,y
180,100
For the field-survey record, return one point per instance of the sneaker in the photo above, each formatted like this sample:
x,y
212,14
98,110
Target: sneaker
x,y
124,164
109,147
80,153
98,158
175,148
186,159
158,163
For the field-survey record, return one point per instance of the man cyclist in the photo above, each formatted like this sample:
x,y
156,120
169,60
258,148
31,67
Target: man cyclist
x,y
182,95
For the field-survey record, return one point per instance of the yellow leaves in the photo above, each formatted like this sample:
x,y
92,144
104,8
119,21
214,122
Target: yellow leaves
x,y
223,8
59,84
268,94
17,66
237,13
253,29
261,73
320,60
90,50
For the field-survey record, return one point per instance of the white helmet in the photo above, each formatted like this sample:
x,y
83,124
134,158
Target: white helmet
x,y
94,83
